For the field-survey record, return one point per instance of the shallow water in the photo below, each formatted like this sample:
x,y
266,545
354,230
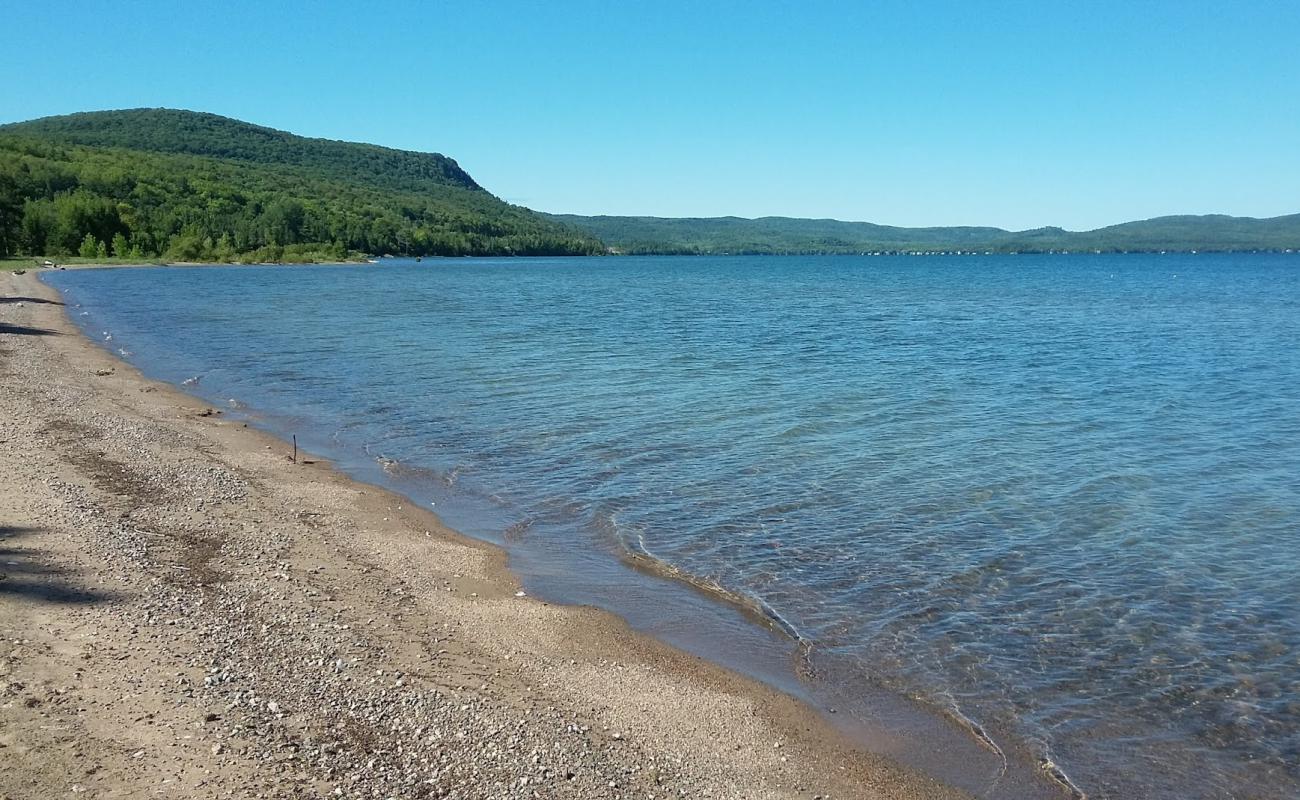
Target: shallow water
x,y
1056,495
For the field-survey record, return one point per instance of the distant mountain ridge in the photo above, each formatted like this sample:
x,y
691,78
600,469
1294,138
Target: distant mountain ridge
x,y
185,185
776,235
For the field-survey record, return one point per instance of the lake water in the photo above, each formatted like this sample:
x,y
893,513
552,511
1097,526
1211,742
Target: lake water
x,y
1056,496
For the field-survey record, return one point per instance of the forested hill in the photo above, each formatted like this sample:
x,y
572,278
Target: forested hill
x,y
165,130
787,235
150,183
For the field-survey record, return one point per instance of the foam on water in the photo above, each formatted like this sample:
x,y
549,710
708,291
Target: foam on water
x,y
1055,498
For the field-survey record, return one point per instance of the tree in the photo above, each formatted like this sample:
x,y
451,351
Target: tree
x,y
101,251
11,215
186,246
38,220
89,247
225,249
120,247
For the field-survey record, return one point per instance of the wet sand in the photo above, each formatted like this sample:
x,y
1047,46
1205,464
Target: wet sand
x,y
185,612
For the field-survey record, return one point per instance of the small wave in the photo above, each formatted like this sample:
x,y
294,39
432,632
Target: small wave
x,y
639,556
799,429
1046,765
406,472
1053,771
977,731
517,530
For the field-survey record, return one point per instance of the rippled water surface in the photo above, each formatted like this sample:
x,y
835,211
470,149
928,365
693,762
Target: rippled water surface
x,y
1059,495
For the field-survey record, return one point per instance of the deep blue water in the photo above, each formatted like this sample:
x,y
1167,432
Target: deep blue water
x,y
1059,495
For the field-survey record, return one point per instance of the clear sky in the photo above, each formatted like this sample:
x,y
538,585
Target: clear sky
x,y
1015,114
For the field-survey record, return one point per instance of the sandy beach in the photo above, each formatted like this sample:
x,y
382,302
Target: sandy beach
x,y
186,612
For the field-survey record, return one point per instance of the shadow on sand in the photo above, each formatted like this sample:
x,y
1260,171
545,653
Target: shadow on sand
x,y
24,576
26,330
34,300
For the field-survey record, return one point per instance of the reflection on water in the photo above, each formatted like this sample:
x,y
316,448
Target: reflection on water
x,y
1057,496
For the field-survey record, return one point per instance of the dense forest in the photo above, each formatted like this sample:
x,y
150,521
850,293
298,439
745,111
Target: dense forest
x,y
179,185
776,235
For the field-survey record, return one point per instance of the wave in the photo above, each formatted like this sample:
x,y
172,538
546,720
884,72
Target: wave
x,y
636,554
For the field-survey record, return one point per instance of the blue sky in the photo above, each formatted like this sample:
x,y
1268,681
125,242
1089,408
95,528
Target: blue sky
x,y
1016,114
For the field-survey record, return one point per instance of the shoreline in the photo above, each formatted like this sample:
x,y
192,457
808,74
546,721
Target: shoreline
x,y
9,264
147,534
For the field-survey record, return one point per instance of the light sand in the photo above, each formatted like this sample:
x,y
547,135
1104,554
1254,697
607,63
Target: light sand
x,y
186,613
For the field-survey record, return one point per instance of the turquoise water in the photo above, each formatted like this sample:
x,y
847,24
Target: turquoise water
x,y
1058,496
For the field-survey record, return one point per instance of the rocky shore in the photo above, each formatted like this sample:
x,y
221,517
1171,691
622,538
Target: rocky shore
x,y
186,612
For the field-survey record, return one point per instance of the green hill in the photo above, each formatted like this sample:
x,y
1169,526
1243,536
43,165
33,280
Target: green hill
x,y
190,186
1213,232
787,235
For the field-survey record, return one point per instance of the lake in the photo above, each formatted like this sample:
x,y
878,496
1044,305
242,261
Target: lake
x,y
1056,498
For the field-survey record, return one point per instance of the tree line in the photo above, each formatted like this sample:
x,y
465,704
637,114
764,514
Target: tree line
x,y
58,199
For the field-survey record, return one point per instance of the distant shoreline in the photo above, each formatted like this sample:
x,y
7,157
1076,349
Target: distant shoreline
x,y
964,253
28,263
799,236
54,262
